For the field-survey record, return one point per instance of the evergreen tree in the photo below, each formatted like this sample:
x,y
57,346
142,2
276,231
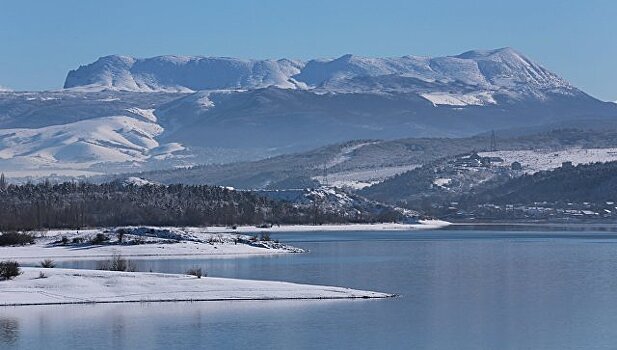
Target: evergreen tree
x,y
2,182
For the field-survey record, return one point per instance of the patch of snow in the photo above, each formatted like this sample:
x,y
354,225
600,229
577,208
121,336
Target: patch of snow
x,y
361,178
204,102
108,99
138,181
442,182
344,154
421,225
538,160
147,114
477,99
160,242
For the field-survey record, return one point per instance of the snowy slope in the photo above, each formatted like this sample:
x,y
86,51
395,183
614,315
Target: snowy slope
x,y
116,139
543,159
472,77
182,73
130,114
479,69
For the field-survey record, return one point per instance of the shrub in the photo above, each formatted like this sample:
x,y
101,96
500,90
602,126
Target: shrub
x,y
78,240
100,238
265,237
137,241
9,270
15,238
64,240
48,264
42,275
116,263
196,271
120,234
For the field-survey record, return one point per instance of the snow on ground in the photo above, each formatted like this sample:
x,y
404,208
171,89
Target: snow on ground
x,y
442,182
143,242
345,154
138,181
173,242
359,179
83,144
450,99
423,224
69,286
538,160
147,114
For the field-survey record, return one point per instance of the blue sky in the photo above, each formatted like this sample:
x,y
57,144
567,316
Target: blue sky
x,y
41,40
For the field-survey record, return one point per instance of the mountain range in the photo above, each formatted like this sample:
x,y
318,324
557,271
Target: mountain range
x,y
124,114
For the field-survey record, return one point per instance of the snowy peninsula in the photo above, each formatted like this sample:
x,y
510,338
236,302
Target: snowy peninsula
x,y
38,286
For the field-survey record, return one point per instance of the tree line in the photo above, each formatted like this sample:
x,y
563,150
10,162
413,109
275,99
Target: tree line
x,y
75,205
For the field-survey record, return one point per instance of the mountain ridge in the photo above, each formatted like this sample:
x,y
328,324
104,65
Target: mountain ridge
x,y
491,70
121,113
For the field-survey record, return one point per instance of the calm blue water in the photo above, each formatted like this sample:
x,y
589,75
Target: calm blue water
x,y
459,289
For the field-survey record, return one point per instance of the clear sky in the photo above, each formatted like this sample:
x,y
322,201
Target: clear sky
x,y
41,40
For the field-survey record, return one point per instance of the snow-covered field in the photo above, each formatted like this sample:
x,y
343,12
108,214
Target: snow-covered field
x,y
38,286
68,286
143,242
359,179
480,98
174,242
538,160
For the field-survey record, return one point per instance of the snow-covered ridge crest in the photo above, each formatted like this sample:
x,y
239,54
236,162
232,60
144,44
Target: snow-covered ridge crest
x,y
183,73
470,72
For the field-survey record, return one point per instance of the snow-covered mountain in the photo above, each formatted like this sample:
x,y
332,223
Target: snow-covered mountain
x,y
479,71
181,73
474,77
125,114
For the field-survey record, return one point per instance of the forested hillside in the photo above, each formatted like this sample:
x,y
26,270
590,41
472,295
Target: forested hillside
x,y
75,205
592,183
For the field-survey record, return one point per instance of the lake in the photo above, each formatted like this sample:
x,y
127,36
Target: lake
x,y
460,288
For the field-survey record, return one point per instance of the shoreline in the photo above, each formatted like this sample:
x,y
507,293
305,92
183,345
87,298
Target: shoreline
x,y
188,242
139,243
75,286
421,225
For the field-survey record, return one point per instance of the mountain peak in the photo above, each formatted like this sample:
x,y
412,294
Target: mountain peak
x,y
494,70
501,52
182,73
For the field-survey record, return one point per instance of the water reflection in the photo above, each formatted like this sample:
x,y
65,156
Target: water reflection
x,y
9,330
459,290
